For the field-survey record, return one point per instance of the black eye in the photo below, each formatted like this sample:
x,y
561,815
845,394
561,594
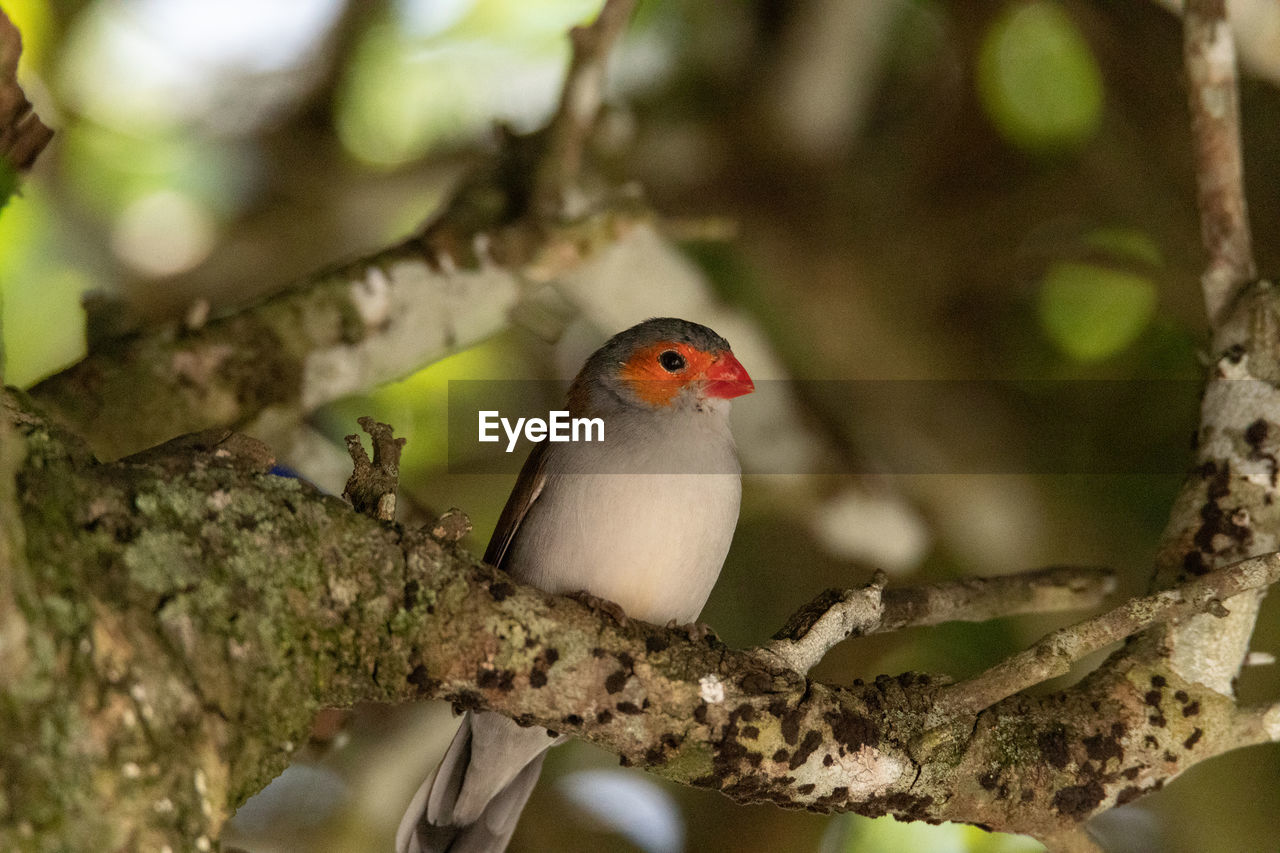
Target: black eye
x,y
671,361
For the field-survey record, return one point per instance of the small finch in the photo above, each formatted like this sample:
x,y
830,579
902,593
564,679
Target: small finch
x,y
643,519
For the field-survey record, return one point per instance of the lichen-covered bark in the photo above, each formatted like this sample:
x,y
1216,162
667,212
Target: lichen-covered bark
x,y
1227,508
188,612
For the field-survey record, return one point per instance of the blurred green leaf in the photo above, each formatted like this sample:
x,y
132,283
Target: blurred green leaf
x,y
1037,78
43,320
1091,312
1129,244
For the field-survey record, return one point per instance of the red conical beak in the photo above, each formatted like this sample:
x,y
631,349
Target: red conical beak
x,y
727,378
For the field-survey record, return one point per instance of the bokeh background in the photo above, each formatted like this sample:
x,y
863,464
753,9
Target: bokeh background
x,y
983,195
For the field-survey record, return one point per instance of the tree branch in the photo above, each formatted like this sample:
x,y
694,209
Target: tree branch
x,y
1210,56
1053,655
580,100
835,615
198,610
22,135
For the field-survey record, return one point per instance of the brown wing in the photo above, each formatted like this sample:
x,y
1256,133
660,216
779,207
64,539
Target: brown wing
x,y
528,486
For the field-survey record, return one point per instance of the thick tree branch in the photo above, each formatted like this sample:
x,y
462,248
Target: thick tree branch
x,y
1210,55
1227,509
195,611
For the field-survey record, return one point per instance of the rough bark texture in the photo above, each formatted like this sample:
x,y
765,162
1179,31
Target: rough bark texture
x,y
189,611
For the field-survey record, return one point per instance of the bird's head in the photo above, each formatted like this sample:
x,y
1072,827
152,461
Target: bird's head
x,y
660,364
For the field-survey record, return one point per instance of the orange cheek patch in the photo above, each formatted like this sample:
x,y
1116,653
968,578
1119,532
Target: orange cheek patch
x,y
651,382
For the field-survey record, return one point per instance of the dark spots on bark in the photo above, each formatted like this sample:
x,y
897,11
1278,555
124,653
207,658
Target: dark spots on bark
x,y
1153,697
754,758
604,717
812,740
1101,747
989,780
700,714
411,590
465,700
755,682
790,726
501,590
1027,795
806,789
627,661
524,721
1158,720
1194,564
1234,353
630,708
1150,742
1128,795
1181,696
903,806
1191,709
616,681
598,652
537,679
852,730
1193,738
750,732
837,795
777,707
655,643
704,782
1170,757
1256,433
551,656
623,761
654,756
1131,773
1077,801
671,740
1158,681
495,679
421,680
827,760
1053,747
781,756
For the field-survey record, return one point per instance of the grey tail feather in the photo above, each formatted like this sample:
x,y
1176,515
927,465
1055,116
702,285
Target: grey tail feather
x,y
437,798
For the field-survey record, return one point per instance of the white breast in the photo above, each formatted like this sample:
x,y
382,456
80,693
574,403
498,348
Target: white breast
x,y
644,520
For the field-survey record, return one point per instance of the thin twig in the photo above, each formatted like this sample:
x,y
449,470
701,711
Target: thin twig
x,y
1053,654
835,614
372,486
580,100
1210,56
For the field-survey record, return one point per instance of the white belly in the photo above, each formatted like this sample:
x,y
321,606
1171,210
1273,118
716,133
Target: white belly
x,y
653,542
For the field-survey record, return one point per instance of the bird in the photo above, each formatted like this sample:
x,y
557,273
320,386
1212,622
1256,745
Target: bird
x,y
643,519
